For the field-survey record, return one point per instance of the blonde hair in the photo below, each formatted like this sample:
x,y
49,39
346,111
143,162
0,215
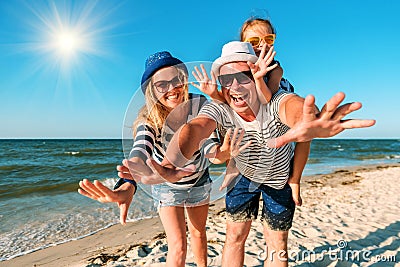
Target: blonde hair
x,y
252,22
154,112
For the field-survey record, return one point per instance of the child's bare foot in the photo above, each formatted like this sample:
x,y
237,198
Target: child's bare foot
x,y
296,194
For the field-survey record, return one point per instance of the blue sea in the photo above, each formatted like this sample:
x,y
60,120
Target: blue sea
x,y
40,205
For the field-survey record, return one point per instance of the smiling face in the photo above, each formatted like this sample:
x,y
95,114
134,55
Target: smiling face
x,y
168,87
241,97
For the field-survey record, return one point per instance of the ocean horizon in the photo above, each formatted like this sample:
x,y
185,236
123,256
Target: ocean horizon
x,y
40,205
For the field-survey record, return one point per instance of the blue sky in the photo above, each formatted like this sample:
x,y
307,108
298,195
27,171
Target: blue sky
x,y
48,91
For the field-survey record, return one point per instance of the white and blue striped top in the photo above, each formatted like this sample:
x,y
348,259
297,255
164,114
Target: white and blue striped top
x,y
258,162
151,143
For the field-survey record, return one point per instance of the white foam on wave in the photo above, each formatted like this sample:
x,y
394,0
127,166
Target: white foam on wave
x,y
72,152
393,157
109,182
56,243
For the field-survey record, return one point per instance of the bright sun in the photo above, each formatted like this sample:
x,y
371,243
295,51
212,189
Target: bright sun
x,y
67,42
67,39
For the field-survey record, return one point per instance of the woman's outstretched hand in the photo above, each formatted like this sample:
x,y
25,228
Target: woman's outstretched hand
x,y
97,191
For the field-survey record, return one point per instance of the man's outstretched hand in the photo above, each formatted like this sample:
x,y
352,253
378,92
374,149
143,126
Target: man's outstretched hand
x,y
327,123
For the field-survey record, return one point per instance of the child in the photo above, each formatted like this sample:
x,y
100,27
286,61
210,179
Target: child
x,y
260,33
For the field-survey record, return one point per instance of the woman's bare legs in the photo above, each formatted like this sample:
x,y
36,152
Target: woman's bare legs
x,y
173,220
197,218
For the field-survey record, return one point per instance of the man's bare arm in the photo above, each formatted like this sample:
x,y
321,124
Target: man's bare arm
x,y
187,140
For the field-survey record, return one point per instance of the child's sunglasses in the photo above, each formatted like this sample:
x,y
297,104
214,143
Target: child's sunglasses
x,y
256,40
243,77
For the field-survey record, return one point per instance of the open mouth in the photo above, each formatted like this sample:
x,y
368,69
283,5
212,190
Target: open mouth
x,y
239,100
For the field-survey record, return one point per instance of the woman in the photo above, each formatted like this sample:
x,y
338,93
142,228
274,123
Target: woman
x,y
168,106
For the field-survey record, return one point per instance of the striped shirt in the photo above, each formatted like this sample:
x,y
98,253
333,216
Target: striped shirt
x,y
150,143
258,162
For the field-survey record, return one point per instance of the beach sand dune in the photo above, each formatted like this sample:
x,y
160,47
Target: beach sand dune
x,y
348,218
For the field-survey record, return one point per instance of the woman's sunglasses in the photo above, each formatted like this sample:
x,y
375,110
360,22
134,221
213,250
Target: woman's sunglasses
x,y
243,77
256,40
163,86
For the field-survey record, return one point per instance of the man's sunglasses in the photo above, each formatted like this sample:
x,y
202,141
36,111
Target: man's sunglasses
x,y
256,40
163,86
243,77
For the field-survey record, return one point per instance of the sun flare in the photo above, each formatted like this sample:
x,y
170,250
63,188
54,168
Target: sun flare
x,y
67,43
64,45
67,36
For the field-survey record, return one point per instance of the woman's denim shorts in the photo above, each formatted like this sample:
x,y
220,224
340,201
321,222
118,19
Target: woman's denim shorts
x,y
165,195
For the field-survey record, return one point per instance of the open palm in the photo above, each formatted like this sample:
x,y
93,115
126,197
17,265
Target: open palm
x,y
97,191
261,67
327,123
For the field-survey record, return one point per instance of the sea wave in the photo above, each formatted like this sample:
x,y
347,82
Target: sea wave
x,y
73,153
393,157
44,187
28,170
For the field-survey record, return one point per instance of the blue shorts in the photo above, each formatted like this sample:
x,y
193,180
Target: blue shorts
x,y
242,202
165,195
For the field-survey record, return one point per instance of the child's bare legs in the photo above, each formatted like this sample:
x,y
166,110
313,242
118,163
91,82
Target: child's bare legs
x,y
230,174
296,193
301,152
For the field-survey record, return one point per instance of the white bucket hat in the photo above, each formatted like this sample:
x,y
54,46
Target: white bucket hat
x,y
233,52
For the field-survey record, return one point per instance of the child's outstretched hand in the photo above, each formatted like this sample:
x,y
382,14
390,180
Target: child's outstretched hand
x,y
261,67
206,85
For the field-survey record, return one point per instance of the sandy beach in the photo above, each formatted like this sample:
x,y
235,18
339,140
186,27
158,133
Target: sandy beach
x,y
348,218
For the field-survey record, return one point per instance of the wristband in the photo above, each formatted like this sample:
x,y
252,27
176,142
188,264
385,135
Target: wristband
x,y
133,182
121,181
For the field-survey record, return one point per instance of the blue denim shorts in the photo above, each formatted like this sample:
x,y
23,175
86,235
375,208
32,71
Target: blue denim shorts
x,y
165,195
242,202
